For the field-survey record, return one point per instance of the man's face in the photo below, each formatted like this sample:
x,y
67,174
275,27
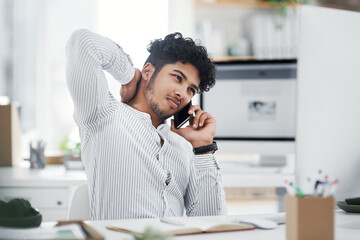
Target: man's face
x,y
172,89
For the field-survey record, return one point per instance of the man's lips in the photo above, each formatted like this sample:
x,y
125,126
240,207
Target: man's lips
x,y
173,102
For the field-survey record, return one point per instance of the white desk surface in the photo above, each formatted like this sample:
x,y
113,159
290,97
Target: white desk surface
x,y
244,171
58,176
347,227
255,180
50,176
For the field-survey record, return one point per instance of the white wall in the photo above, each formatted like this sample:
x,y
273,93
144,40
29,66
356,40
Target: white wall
x,y
41,30
54,105
133,26
5,46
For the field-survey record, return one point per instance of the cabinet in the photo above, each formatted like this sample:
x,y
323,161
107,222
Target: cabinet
x,y
240,28
49,190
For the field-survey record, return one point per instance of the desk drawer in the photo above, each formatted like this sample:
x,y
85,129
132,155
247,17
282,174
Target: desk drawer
x,y
39,197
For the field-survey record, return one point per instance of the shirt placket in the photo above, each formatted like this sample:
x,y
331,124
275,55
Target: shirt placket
x,y
165,194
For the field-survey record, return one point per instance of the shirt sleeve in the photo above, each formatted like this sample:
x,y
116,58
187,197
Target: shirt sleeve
x,y
88,54
205,194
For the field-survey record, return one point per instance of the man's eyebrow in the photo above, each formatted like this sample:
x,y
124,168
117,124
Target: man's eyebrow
x,y
184,76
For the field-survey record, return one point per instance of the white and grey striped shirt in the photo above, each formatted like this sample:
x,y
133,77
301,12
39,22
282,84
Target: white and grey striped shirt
x,y
130,175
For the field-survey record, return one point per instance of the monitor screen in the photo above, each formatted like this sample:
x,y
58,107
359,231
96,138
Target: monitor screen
x,y
253,100
328,119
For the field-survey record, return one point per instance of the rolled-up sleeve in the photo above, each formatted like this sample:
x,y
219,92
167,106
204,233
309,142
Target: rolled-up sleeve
x,y
205,193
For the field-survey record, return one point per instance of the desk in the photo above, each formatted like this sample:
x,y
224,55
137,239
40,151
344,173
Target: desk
x,y
242,174
347,227
50,189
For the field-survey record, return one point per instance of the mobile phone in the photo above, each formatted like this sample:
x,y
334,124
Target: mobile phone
x,y
181,117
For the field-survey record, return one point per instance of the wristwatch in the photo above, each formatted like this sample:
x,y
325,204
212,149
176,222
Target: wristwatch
x,y
204,149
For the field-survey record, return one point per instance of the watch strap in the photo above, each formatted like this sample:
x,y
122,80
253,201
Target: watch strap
x,y
207,148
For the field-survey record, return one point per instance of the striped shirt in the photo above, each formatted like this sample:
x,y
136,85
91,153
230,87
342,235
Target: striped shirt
x,y
130,174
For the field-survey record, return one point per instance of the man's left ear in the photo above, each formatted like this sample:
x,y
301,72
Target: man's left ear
x,y
147,71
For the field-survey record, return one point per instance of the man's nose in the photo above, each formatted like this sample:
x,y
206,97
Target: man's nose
x,y
181,93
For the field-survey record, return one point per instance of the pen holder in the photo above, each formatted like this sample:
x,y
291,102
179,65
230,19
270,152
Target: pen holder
x,y
309,217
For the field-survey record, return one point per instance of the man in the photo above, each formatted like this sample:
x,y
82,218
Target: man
x,y
136,165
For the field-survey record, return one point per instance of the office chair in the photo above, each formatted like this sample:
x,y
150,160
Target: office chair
x,y
79,205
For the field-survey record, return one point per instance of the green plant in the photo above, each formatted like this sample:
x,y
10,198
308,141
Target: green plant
x,y
282,4
71,143
70,147
149,234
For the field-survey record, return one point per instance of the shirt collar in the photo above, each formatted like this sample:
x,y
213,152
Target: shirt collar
x,y
145,115
137,112
163,126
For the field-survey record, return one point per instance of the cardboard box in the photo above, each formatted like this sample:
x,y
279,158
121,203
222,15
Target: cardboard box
x,y
10,135
309,218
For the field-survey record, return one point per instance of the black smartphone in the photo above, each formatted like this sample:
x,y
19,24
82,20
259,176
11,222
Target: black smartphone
x,y
181,117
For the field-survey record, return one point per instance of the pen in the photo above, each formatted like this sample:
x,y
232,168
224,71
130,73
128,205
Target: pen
x,y
171,221
317,181
325,184
298,191
289,188
308,179
331,188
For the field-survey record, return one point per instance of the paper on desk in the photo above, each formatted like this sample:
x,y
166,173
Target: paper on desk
x,y
71,231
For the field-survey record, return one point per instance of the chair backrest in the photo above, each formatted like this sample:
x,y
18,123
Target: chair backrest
x,y
79,205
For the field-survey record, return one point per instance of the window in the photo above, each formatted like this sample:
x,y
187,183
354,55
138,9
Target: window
x,y
39,31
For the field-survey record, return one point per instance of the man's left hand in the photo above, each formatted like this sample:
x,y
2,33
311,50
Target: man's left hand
x,y
128,91
201,130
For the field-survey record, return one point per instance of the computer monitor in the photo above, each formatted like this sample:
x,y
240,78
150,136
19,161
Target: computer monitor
x,y
328,119
254,104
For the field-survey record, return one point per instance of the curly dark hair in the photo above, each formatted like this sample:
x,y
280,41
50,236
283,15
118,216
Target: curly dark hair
x,y
175,48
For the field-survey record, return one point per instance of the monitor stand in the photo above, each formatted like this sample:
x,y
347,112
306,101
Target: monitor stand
x,y
272,160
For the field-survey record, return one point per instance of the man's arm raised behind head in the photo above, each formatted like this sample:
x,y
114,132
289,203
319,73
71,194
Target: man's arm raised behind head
x,y
88,54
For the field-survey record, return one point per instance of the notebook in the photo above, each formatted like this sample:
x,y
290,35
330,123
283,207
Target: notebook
x,y
179,226
72,231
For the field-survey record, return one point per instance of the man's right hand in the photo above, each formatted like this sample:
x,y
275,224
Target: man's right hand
x,y
128,91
